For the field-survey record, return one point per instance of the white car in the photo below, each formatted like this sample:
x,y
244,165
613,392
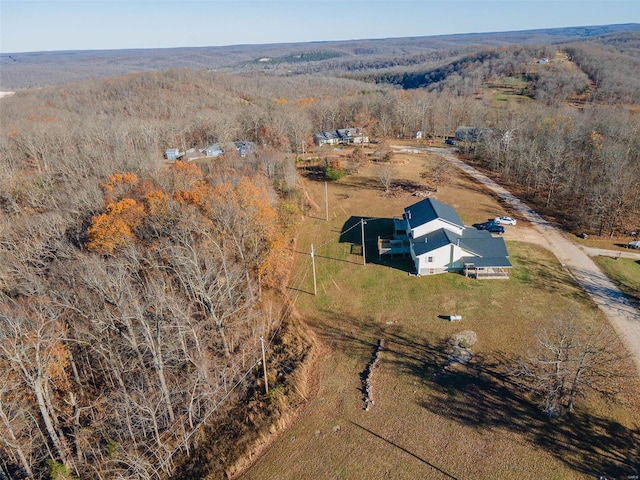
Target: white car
x,y
635,244
504,220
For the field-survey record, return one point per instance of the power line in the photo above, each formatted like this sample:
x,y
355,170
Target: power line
x,y
184,441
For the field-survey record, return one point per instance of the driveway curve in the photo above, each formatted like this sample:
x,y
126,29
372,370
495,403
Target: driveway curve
x,y
624,317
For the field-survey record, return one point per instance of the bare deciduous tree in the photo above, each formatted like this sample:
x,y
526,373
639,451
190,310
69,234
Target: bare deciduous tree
x,y
385,175
568,359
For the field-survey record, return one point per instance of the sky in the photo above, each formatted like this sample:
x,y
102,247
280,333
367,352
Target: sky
x,y
50,25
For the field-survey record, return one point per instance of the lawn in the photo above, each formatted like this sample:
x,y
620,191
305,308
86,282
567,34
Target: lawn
x,y
463,422
625,273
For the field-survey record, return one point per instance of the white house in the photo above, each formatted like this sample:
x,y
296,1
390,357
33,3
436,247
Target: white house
x,y
342,136
213,150
439,242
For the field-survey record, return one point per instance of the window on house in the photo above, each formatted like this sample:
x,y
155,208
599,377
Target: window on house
x,y
429,259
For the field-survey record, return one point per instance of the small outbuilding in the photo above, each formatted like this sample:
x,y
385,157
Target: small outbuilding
x,y
172,154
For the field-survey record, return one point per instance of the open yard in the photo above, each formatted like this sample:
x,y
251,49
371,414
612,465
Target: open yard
x,y
432,417
625,273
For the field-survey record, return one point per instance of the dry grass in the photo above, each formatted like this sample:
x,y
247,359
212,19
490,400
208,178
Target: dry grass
x,y
625,273
465,422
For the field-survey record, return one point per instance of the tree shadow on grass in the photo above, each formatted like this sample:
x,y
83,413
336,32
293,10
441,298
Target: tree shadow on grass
x,y
481,394
621,294
537,274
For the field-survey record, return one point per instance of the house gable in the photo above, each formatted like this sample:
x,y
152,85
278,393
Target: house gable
x,y
429,215
439,242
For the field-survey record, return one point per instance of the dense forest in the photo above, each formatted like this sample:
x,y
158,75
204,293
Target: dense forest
x,y
134,292
37,69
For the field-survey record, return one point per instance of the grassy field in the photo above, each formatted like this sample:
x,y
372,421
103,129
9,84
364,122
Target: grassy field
x,y
625,273
463,422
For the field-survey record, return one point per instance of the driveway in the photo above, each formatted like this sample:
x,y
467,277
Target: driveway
x,y
622,315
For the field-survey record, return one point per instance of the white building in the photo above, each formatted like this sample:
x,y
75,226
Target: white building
x,y
438,242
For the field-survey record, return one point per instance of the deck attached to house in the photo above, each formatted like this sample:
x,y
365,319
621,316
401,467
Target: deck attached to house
x,y
388,246
485,273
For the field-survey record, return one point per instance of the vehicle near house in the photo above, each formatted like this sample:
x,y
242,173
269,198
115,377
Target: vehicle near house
x,y
437,241
504,221
495,228
489,226
635,244
448,141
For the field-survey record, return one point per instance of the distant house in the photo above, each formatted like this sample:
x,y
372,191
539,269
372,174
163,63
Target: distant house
x,y
211,151
438,242
172,154
214,150
245,148
193,154
342,136
470,134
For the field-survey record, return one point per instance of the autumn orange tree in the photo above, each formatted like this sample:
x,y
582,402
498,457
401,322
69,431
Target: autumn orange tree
x,y
111,230
170,303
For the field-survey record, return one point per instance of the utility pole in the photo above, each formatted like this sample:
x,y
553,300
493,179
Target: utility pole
x,y
326,200
264,368
364,258
313,267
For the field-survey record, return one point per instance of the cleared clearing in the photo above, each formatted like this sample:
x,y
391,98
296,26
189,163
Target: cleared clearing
x,y
427,421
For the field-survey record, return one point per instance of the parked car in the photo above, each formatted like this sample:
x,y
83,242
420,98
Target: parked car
x,y
448,141
635,244
504,221
489,226
495,228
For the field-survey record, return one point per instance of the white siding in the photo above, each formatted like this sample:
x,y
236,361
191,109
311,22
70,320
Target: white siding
x,y
434,225
439,263
442,260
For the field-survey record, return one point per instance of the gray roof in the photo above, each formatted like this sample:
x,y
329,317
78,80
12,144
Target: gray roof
x,y
482,243
340,134
326,136
434,240
213,150
486,262
429,209
491,251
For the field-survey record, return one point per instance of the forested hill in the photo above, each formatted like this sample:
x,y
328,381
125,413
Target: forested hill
x,y
36,69
135,293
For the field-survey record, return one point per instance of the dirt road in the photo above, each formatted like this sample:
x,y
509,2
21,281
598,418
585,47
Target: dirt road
x,y
622,315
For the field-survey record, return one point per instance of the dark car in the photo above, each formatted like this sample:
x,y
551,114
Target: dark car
x,y
489,226
494,228
450,142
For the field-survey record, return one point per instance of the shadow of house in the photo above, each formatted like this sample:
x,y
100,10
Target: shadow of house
x,y
374,229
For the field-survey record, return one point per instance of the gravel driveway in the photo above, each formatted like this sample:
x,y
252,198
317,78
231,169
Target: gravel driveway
x,y
622,315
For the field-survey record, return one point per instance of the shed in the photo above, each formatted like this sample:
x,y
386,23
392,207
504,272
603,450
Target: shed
x,y
172,154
